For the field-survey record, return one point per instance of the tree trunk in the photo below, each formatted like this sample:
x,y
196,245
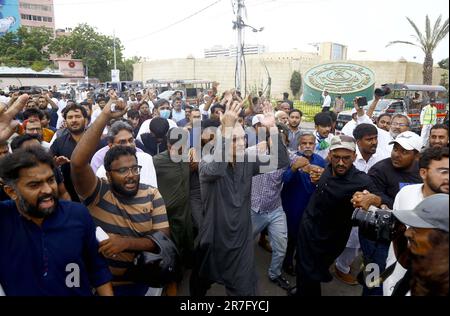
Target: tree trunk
x,y
428,69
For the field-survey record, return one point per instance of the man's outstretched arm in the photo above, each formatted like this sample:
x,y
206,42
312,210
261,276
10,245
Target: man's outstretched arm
x,y
83,177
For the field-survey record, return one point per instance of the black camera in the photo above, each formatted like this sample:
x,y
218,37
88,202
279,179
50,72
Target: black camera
x,y
376,224
383,91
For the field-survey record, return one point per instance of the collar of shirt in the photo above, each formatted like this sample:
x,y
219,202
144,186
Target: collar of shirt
x,y
362,165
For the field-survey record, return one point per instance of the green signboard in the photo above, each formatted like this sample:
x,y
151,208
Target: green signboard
x,y
345,79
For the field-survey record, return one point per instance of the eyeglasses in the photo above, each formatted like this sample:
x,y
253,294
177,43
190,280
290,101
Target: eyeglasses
x,y
399,125
136,170
441,171
345,159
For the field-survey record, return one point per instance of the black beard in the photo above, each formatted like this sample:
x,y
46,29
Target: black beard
x,y
435,189
34,211
76,131
121,191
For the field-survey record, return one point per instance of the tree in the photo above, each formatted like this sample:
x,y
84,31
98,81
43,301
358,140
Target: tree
x,y
296,83
26,48
126,68
95,49
444,80
443,63
428,43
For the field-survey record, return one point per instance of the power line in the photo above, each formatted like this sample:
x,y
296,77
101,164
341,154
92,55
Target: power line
x,y
175,23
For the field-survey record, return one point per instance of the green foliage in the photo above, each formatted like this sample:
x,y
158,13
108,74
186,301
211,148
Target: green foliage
x,y
427,41
26,47
97,52
95,49
309,110
32,48
443,63
444,80
296,83
126,68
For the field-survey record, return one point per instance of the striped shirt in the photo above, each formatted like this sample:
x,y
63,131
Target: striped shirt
x,y
133,217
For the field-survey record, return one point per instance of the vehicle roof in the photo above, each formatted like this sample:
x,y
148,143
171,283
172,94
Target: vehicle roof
x,y
415,87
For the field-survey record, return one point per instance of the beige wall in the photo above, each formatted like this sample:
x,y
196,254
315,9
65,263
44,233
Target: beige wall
x,y
280,66
50,13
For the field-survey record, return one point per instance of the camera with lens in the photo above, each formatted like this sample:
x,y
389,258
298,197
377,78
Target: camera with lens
x,y
383,91
376,224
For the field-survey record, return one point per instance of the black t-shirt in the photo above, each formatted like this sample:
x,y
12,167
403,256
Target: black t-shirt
x,y
64,146
390,180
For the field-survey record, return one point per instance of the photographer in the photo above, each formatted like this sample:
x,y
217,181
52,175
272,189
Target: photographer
x,y
389,176
427,236
433,166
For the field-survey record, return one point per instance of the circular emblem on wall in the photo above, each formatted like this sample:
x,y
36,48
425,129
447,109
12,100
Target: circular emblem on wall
x,y
340,78
71,64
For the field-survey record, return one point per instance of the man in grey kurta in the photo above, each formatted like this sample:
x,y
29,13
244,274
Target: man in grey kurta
x,y
225,252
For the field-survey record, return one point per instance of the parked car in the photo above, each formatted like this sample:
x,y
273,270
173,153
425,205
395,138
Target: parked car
x,y
390,106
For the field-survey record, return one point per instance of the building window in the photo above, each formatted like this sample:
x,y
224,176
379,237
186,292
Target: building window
x,y
36,18
38,7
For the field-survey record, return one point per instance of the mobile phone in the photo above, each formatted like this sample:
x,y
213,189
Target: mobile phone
x,y
100,234
362,101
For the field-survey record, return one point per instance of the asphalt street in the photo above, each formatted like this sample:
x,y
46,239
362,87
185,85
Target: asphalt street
x,y
268,289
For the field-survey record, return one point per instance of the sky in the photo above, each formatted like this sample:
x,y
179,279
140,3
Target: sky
x,y
364,26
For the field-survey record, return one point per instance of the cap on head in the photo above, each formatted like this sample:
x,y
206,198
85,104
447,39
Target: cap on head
x,y
432,212
343,142
257,119
409,141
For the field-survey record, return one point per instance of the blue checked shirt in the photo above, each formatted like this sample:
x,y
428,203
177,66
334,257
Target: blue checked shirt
x,y
266,191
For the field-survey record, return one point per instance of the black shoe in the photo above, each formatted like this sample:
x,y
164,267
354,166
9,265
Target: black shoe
x,y
281,282
292,291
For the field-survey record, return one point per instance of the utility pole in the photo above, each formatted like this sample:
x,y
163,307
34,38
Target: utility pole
x,y
115,74
240,52
115,63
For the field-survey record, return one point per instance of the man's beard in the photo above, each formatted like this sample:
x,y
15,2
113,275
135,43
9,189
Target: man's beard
x,y
394,134
34,211
77,131
436,189
126,193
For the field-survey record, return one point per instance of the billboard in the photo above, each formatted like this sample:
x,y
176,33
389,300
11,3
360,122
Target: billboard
x,y
9,16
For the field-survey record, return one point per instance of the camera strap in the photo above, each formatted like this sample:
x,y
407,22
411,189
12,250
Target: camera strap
x,y
383,276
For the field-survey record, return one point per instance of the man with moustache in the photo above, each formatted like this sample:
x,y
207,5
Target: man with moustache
x,y
125,209
434,165
366,136
76,119
44,240
295,119
439,136
326,223
297,190
390,176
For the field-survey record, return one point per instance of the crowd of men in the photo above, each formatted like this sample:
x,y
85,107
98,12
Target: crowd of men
x,y
149,173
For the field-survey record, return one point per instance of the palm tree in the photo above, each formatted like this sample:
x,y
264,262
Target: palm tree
x,y
427,43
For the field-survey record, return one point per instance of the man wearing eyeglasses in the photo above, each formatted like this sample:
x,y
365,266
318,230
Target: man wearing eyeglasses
x,y
433,164
121,134
390,176
326,223
121,205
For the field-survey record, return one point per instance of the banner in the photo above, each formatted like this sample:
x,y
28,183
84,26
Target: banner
x,y
9,16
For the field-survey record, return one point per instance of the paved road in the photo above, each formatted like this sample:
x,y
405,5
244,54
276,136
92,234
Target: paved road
x,y
267,288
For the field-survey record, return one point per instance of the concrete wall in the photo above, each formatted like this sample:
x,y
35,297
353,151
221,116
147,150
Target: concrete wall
x,y
279,65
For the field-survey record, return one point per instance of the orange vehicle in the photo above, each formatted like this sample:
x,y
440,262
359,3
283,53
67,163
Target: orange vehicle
x,y
416,97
